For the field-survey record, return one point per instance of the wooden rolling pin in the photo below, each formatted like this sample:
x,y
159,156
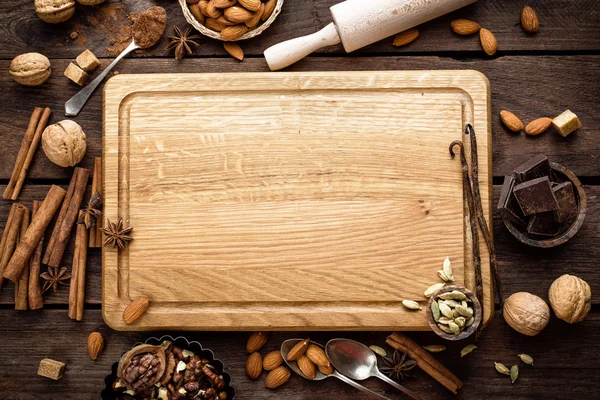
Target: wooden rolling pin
x,y
358,23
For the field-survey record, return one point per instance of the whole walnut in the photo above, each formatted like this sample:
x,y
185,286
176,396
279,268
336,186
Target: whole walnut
x,y
64,143
90,2
570,298
30,69
526,313
54,11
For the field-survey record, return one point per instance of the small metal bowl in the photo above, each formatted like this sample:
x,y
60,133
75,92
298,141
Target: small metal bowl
x,y
477,314
216,35
523,236
108,393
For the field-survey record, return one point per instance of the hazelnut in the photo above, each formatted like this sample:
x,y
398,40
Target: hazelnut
x,y
64,143
54,11
30,69
570,298
526,313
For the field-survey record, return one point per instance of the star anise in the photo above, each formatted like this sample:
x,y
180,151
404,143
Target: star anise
x,y
55,277
117,235
181,42
397,365
92,211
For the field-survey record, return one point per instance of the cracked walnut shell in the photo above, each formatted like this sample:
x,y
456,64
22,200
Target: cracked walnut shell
x,y
526,313
64,143
570,298
30,69
54,11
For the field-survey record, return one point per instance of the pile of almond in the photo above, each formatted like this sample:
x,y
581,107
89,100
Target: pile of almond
x,y
310,357
255,364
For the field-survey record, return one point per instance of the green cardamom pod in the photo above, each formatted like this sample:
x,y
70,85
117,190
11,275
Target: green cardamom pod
x,y
454,328
502,368
435,348
526,358
464,311
451,303
411,304
378,350
445,320
460,321
444,328
469,322
514,373
442,275
446,311
467,349
432,289
435,311
447,269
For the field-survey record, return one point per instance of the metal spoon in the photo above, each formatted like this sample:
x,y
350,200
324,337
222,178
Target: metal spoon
x,y
74,105
287,346
357,361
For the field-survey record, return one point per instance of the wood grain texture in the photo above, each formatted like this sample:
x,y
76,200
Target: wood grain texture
x,y
513,85
562,353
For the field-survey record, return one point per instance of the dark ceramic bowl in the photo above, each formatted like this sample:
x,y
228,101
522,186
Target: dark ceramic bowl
x,y
562,174
477,314
109,394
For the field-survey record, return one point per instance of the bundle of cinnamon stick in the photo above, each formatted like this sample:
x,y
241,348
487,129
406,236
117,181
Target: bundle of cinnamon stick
x,y
425,361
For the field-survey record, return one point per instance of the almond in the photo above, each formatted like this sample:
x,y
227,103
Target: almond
x,y
325,370
538,126
95,345
277,377
237,15
404,38
252,5
234,50
272,360
253,22
224,21
511,121
529,20
224,3
317,355
307,367
203,5
254,365
135,310
488,42
213,11
298,350
195,9
234,32
464,26
269,8
214,24
256,341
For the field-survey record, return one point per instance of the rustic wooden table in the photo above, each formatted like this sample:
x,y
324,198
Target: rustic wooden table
x,y
533,76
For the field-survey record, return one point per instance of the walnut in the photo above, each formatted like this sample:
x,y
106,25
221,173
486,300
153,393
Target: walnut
x,y
30,69
526,313
570,298
142,367
64,143
54,11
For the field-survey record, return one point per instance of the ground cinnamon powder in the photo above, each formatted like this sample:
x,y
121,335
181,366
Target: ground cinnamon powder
x,y
149,26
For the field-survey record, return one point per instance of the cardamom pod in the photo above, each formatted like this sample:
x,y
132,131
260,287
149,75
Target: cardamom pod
x,y
464,311
502,368
514,373
455,313
460,321
454,328
435,348
467,349
464,304
432,289
435,311
458,295
451,303
469,322
526,358
378,350
446,311
447,269
444,328
442,275
445,320
411,304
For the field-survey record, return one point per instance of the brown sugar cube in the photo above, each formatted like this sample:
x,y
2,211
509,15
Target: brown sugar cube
x,y
87,61
76,74
51,369
566,123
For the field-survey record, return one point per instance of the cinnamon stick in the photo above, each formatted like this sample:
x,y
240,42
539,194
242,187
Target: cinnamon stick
x,y
69,211
77,289
22,285
425,361
23,150
34,233
36,300
10,237
95,232
31,152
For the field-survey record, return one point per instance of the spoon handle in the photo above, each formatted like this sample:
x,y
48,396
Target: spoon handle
x,y
359,386
74,105
397,386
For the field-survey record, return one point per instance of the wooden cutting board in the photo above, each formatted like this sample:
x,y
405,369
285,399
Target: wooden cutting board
x,y
304,201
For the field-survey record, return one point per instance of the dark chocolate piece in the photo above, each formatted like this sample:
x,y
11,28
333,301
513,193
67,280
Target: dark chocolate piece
x,y
567,202
507,188
535,196
537,167
507,204
543,224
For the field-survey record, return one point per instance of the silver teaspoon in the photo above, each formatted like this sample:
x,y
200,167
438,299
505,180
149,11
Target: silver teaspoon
x,y
287,346
357,361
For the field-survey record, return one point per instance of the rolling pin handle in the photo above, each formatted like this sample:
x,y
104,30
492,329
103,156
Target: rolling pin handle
x,y
286,53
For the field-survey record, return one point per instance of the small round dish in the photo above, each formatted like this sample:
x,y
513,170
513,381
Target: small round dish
x,y
189,17
108,393
564,175
477,314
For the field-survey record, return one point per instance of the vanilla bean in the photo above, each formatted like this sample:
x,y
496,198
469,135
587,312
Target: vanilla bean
x,y
487,235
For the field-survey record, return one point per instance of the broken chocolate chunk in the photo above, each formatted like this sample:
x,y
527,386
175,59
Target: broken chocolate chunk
x,y
535,196
543,224
536,167
567,202
507,203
